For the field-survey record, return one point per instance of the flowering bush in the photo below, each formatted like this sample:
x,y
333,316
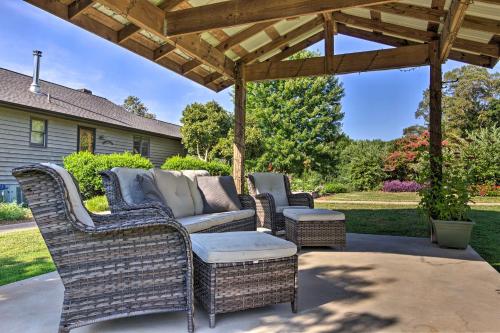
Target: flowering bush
x,y
401,186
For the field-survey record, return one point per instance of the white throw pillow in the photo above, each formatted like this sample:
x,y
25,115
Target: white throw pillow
x,y
272,183
174,187
75,201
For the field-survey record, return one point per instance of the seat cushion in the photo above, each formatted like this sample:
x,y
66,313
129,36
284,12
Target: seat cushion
x,y
239,246
129,185
313,215
218,194
175,190
272,183
280,209
192,176
202,222
74,199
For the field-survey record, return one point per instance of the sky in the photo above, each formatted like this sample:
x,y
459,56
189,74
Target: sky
x,y
377,105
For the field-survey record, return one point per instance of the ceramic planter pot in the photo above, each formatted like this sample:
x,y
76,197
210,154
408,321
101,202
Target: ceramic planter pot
x,y
453,234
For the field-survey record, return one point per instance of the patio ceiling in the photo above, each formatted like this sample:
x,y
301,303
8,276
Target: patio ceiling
x,y
203,40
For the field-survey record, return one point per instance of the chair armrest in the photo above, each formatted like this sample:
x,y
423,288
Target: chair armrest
x,y
148,212
266,200
301,199
247,201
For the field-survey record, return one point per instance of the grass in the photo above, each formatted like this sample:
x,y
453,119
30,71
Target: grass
x,y
392,196
23,254
405,220
13,212
97,204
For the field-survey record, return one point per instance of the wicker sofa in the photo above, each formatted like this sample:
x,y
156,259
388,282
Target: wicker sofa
x,y
116,265
118,187
273,195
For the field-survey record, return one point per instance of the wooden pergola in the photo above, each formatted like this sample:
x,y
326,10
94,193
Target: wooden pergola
x,y
218,43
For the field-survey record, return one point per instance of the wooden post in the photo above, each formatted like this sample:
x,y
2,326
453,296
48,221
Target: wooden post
x,y
328,28
435,115
239,128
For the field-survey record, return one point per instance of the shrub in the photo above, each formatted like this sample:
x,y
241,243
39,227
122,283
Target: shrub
x,y
401,186
86,167
97,204
330,188
214,168
13,212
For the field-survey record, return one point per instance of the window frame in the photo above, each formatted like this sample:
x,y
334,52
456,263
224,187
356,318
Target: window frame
x,y
142,138
78,137
45,133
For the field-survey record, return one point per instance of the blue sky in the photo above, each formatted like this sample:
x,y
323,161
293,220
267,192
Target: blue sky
x,y
376,105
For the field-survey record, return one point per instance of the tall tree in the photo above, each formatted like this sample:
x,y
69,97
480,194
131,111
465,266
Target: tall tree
x,y
203,126
300,122
470,100
134,105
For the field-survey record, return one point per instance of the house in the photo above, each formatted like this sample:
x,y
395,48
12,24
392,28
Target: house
x,y
48,124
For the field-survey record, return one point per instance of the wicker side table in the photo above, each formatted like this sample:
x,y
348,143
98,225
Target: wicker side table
x,y
243,270
315,227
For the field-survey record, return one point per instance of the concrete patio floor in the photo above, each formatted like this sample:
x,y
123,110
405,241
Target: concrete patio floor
x,y
380,283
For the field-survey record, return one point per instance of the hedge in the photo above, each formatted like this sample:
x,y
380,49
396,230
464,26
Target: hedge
x,y
214,168
86,167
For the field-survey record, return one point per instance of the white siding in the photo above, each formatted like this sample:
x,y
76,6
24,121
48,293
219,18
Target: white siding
x,y
62,140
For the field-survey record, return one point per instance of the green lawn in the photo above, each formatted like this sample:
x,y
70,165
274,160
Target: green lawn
x,y
23,254
388,196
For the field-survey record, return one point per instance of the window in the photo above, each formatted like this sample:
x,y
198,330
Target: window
x,y
141,146
86,139
38,132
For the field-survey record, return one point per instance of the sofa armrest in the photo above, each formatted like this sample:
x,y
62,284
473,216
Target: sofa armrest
x,y
247,201
301,199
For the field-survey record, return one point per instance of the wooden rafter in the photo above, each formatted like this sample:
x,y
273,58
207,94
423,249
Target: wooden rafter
x,y
328,33
282,40
401,57
78,7
238,12
151,18
436,5
469,58
452,24
127,32
168,5
243,35
288,51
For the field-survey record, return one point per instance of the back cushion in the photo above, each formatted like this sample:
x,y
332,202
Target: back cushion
x,y
150,189
218,194
129,185
174,187
192,176
75,201
272,183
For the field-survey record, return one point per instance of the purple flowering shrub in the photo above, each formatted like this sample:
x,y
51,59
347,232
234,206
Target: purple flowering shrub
x,y
401,186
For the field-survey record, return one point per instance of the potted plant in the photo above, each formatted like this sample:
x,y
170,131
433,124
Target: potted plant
x,y
447,204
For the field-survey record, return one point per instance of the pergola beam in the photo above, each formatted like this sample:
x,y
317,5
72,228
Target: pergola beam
x,y
328,31
239,128
452,24
77,7
151,18
401,57
243,35
291,50
238,12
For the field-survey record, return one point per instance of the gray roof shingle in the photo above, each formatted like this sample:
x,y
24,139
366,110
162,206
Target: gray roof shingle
x,y
70,102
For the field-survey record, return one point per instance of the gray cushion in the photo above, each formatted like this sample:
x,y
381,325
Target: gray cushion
x,y
202,222
227,247
272,183
175,189
280,209
218,194
313,215
74,199
192,176
129,185
150,190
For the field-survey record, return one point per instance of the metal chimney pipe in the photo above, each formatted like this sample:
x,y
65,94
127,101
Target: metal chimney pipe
x,y
35,85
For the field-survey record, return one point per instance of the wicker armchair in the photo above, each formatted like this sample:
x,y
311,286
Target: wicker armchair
x,y
269,214
122,264
118,204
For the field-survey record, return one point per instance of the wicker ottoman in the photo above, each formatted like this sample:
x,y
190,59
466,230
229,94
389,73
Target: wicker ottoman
x,y
315,227
235,271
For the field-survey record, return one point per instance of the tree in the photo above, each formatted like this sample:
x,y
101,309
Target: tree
x,y
203,126
299,122
404,160
470,100
134,105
